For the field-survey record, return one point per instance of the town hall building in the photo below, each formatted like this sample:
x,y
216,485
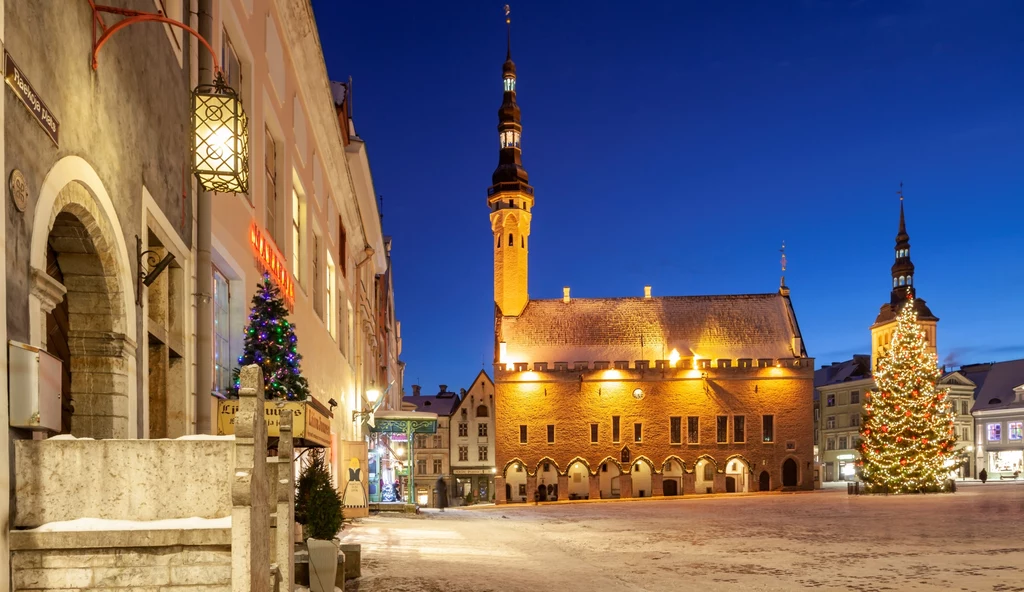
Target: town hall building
x,y
636,396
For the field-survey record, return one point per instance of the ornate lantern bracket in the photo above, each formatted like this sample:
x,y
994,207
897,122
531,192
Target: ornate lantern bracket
x,y
132,17
155,266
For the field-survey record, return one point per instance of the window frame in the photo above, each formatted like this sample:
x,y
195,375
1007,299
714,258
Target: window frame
x,y
595,433
481,430
830,400
721,421
740,422
616,429
695,429
524,434
463,453
271,174
638,432
551,433
768,435
463,429
675,429
481,453
298,230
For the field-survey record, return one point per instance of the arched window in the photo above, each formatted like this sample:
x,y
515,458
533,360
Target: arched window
x,y
481,411
894,280
903,280
910,280
511,241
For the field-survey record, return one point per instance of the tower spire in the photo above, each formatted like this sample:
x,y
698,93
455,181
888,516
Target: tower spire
x,y
902,267
508,40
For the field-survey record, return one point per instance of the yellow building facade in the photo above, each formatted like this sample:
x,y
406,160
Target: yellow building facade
x,y
642,396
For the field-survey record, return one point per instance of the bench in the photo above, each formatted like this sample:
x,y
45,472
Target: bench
x,y
1005,477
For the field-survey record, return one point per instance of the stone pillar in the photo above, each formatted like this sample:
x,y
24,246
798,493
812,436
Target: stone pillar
x,y
250,545
499,491
101,366
563,487
657,487
595,486
719,482
49,292
531,487
284,554
689,484
626,485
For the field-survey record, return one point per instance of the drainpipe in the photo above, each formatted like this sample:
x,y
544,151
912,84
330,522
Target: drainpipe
x,y
204,266
359,325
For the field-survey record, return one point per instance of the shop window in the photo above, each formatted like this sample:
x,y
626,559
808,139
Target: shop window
x,y
463,453
722,431
768,428
693,429
675,430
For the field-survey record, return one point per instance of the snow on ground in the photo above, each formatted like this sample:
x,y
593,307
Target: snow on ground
x,y
91,524
824,540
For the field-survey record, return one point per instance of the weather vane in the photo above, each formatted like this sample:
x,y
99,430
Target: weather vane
x,y
782,280
899,193
508,19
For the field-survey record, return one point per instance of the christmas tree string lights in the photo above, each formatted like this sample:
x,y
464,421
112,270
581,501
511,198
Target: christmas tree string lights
x,y
907,433
270,342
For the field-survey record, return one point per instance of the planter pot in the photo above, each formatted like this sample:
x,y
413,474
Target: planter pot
x,y
323,564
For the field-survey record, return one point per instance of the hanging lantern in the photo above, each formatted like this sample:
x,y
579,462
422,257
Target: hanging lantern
x,y
220,143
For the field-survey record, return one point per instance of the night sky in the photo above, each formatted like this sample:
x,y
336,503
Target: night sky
x,y
678,144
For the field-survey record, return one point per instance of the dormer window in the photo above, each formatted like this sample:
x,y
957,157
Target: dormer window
x,y
510,84
509,139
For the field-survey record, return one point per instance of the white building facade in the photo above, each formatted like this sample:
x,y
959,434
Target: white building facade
x,y
472,443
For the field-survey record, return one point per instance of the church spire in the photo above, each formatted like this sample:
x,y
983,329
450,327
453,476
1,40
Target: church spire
x,y
510,174
902,267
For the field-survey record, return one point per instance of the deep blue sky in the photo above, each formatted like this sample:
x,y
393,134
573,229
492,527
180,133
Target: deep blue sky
x,y
678,143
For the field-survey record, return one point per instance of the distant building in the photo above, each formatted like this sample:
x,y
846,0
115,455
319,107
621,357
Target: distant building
x,y
431,450
840,397
472,442
638,396
999,416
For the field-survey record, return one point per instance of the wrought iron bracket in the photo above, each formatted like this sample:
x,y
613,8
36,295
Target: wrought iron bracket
x,y
132,17
155,265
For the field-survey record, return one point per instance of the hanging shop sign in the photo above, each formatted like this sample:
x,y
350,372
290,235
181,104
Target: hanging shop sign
x,y
271,260
23,90
311,422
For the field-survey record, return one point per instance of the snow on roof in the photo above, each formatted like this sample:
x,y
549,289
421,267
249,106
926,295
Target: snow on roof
x,y
404,415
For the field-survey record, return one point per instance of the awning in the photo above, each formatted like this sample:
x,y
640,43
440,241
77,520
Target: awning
x,y
405,422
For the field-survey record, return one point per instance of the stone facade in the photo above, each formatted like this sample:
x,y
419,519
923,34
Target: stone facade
x,y
472,442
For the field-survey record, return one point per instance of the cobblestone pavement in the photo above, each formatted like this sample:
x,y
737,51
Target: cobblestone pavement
x,y
827,540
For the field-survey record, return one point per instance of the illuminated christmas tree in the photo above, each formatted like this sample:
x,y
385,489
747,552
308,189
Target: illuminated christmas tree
x,y
270,342
907,436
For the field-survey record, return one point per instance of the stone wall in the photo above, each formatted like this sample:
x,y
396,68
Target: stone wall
x,y
573,400
58,480
193,560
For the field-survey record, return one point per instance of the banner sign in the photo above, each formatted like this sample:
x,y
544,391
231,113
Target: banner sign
x,y
311,427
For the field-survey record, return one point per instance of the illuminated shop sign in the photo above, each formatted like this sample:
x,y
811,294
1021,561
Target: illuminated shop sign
x,y
272,261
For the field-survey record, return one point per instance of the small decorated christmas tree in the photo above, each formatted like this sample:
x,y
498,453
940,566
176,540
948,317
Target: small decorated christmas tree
x,y
907,437
270,342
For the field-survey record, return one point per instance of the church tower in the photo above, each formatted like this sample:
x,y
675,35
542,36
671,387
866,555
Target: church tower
x,y
902,288
510,200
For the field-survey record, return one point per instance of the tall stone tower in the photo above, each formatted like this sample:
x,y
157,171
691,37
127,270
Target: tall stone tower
x,y
902,288
510,200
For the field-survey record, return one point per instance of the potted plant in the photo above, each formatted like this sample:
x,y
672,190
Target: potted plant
x,y
318,509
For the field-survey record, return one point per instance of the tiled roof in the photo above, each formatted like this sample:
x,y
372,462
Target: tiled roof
x,y
610,329
433,404
995,382
854,369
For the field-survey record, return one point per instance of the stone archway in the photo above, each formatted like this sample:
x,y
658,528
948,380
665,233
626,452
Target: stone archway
x,y
515,483
83,244
790,476
764,481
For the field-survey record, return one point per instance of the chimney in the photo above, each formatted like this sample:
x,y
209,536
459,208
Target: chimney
x,y
565,294
443,389
647,292
415,390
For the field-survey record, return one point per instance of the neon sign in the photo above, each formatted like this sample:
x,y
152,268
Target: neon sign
x,y
271,260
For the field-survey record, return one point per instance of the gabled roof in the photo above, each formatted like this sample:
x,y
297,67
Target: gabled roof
x,y
956,377
732,326
471,385
854,369
996,382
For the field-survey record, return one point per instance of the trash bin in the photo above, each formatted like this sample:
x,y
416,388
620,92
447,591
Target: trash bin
x,y
856,488
849,489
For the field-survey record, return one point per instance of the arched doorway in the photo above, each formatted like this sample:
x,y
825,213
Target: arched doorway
x,y
641,474
672,478
608,479
789,473
57,341
547,478
515,483
76,236
704,476
737,476
579,481
764,481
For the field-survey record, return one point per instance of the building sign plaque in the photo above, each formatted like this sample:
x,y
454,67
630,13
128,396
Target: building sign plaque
x,y
271,260
23,90
311,426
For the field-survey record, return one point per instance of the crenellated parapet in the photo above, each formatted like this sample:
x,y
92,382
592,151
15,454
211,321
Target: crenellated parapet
x,y
681,369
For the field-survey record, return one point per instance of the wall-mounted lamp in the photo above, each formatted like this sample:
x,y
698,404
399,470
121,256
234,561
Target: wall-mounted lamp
x,y
332,404
374,399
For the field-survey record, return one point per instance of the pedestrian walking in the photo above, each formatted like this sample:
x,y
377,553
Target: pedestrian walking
x,y
983,475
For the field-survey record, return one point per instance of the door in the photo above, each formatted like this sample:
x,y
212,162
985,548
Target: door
x,y
57,342
730,484
789,473
764,481
671,487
